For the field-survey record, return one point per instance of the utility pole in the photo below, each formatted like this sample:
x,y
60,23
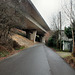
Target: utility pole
x,y
60,29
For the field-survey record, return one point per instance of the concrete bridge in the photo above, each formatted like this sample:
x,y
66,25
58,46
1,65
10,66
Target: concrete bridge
x,y
30,19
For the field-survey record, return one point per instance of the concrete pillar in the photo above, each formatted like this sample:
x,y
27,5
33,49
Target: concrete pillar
x,y
43,39
33,36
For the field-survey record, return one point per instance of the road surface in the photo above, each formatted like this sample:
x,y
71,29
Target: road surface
x,y
37,60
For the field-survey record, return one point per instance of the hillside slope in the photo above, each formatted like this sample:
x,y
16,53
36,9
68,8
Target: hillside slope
x,y
22,40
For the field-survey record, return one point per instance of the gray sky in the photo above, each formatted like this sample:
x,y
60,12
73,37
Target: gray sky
x,y
47,8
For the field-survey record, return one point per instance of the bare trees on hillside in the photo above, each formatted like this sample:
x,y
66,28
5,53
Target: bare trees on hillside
x,y
6,23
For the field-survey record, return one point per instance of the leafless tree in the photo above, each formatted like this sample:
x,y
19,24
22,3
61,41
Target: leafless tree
x,y
55,22
7,21
56,25
69,10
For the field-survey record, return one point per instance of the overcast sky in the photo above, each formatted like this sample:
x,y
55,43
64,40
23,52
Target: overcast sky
x,y
47,8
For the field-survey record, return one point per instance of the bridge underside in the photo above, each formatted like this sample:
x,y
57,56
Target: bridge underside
x,y
23,15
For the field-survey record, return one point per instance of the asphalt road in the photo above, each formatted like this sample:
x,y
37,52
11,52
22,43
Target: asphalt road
x,y
37,60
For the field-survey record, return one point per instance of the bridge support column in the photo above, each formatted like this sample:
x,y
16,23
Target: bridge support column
x,y
33,36
43,39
